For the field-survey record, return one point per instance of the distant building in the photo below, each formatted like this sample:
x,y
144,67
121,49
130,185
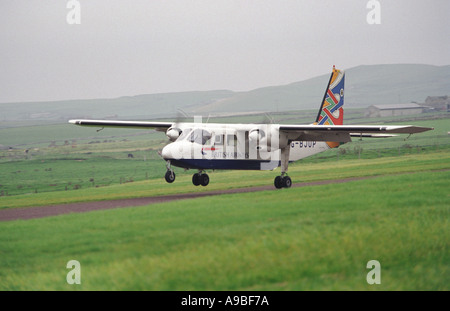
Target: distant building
x,y
438,103
376,111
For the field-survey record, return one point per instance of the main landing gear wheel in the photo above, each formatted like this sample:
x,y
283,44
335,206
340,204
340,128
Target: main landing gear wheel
x,y
170,176
200,179
282,182
287,182
196,179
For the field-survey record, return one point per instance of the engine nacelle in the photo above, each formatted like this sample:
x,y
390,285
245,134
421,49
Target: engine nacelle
x,y
173,133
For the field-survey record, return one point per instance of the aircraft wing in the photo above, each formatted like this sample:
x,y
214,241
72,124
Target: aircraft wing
x,y
343,133
159,126
365,135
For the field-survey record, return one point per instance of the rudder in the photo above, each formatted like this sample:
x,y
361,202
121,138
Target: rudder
x,y
332,109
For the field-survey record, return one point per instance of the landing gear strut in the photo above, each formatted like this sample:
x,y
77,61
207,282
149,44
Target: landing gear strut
x,y
170,174
200,178
283,181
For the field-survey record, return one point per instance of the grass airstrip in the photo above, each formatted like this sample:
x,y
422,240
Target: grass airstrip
x,y
308,238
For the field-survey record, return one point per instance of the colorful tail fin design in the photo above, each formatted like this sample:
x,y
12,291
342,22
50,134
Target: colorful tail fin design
x,y
332,112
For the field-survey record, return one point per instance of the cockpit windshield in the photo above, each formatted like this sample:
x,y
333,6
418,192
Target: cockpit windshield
x,y
184,134
199,136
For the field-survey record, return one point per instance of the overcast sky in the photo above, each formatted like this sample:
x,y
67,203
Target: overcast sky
x,y
125,48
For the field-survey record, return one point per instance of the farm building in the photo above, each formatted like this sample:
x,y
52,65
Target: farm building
x,y
439,103
375,111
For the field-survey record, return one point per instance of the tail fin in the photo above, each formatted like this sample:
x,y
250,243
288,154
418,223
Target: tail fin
x,y
332,111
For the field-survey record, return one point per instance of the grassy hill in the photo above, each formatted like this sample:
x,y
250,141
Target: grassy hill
x,y
132,107
365,86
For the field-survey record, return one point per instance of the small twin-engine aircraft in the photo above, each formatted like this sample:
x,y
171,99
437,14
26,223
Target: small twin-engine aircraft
x,y
209,146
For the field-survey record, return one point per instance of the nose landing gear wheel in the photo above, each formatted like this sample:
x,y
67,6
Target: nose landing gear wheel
x,y
170,176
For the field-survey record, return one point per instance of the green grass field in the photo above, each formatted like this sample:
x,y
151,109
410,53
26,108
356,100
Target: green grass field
x,y
101,161
308,238
312,238
299,172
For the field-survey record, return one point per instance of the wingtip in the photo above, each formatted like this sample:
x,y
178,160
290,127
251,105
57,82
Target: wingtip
x,y
425,129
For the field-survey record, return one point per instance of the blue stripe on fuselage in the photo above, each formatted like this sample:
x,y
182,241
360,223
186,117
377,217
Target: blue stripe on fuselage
x,y
225,164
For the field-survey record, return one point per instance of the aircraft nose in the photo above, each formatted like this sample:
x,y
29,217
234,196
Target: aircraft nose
x,y
166,153
173,151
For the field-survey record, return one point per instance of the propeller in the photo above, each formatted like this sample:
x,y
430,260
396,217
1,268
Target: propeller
x,y
181,115
268,119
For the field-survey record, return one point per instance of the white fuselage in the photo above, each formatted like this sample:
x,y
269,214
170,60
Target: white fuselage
x,y
235,146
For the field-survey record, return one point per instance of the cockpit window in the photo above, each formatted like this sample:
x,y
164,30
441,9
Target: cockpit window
x,y
184,133
199,136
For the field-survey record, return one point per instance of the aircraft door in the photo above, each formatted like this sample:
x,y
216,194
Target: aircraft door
x,y
231,146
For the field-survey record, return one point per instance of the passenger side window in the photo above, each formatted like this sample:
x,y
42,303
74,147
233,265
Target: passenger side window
x,y
218,140
231,140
